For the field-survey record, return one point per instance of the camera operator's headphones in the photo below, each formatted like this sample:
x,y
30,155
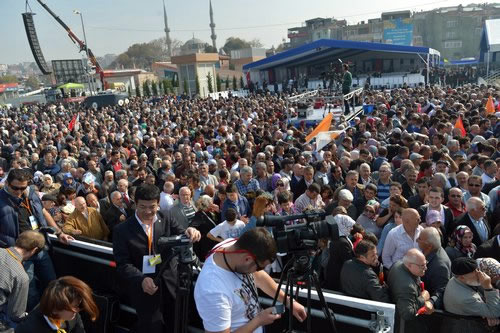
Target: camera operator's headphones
x,y
220,249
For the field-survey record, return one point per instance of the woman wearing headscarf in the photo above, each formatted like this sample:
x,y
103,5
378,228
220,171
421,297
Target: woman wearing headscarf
x,y
368,219
48,185
460,244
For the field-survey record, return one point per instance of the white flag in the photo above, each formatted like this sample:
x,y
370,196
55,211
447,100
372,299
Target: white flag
x,y
324,138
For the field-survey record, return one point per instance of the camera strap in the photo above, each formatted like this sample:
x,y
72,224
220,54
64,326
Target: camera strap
x,y
246,280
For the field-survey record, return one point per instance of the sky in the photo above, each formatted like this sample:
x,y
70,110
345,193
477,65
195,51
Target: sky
x,y
112,26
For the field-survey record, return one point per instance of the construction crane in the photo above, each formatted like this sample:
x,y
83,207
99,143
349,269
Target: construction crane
x,y
76,40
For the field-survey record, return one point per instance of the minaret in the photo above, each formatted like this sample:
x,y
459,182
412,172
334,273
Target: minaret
x,y
213,36
167,32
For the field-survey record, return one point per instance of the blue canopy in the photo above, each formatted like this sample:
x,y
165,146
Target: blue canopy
x,y
332,48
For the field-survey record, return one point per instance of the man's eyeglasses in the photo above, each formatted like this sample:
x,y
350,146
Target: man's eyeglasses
x,y
17,188
419,266
280,184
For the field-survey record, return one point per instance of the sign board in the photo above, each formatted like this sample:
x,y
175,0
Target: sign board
x,y
71,70
398,31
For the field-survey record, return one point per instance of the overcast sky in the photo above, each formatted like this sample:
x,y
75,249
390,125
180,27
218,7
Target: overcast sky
x,y
113,25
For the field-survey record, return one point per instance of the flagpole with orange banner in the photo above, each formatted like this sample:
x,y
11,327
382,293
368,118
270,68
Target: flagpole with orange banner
x,y
460,125
490,106
323,126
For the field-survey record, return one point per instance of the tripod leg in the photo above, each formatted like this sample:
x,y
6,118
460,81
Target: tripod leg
x,y
328,313
309,286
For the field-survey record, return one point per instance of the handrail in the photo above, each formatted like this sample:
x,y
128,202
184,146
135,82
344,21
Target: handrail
x,y
307,94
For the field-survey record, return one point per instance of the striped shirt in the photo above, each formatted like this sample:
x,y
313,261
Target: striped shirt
x,y
383,191
14,284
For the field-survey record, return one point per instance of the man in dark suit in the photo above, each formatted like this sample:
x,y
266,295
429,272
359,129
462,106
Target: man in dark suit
x,y
422,189
489,249
474,219
116,213
138,256
438,271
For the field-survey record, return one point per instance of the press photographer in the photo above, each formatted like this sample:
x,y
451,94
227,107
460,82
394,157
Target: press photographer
x,y
138,258
226,290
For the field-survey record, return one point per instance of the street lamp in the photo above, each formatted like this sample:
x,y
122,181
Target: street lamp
x,y
77,12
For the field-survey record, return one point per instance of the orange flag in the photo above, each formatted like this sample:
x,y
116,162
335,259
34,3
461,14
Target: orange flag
x,y
459,124
490,106
323,126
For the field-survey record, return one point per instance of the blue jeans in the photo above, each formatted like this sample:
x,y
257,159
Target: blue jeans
x,y
40,272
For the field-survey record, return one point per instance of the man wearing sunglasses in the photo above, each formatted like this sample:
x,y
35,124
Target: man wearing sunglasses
x,y
226,290
474,185
21,209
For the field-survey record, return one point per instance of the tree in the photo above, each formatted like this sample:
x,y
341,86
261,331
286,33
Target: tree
x,y
242,83
154,87
210,49
165,86
33,82
137,91
185,86
235,43
145,89
197,83
218,82
210,83
227,83
234,83
8,79
256,43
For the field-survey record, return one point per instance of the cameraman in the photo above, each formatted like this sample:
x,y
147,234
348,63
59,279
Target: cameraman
x,y
226,290
137,258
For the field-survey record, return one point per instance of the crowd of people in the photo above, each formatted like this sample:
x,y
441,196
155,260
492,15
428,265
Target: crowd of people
x,y
416,198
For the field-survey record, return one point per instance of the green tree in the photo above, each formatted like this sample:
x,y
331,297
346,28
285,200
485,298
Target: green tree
x,y
210,49
197,84
235,43
210,83
145,89
154,88
218,81
137,91
165,86
33,82
242,83
8,79
227,83
186,88
235,87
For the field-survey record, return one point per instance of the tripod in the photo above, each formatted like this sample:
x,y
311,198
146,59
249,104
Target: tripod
x,y
187,262
299,269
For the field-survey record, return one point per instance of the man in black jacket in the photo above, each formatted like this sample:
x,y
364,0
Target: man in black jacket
x,y
357,277
436,198
438,271
137,257
116,213
475,220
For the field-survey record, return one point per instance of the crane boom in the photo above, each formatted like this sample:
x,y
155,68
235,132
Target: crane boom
x,y
76,40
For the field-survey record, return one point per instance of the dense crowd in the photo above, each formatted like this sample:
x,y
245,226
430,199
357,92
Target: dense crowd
x,y
415,199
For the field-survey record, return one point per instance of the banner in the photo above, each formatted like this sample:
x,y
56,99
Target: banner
x,y
323,126
324,138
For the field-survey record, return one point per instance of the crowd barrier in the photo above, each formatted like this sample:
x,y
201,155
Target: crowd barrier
x,y
93,262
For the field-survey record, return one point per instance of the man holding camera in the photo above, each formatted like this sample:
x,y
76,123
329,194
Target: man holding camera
x,y
138,260
226,290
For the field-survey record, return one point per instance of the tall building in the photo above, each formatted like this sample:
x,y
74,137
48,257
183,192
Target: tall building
x,y
213,36
167,32
454,31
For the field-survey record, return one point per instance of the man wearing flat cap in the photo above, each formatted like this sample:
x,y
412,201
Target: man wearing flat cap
x,y
462,297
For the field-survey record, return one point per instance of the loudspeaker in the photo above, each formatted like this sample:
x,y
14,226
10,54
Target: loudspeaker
x,y
29,25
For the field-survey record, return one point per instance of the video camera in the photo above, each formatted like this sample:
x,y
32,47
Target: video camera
x,y
180,245
303,236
